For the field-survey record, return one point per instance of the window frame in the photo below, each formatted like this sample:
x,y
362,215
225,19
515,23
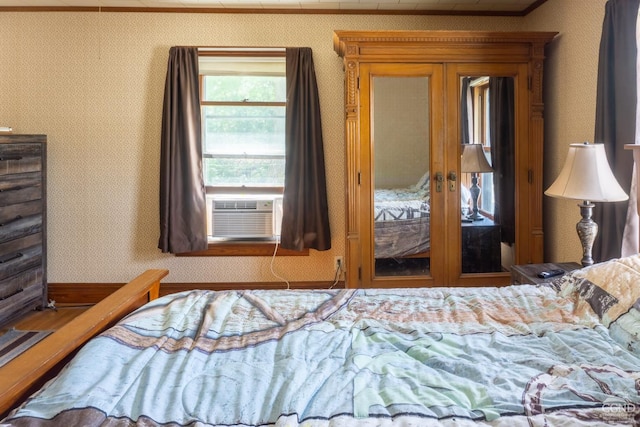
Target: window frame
x,y
480,90
237,247
240,53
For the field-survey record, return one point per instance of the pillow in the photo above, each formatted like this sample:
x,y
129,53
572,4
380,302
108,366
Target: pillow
x,y
626,330
423,182
610,288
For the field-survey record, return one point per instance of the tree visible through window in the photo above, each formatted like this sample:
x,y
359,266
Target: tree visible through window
x,y
243,102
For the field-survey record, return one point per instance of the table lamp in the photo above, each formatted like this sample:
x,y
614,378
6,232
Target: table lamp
x,y
473,161
586,176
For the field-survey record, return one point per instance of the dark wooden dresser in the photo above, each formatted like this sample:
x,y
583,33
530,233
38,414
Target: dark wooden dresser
x,y
23,244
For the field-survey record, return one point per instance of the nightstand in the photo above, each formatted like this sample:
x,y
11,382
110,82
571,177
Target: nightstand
x,y
481,247
528,273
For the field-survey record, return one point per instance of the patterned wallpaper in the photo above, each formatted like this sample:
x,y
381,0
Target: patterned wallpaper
x,y
93,82
571,73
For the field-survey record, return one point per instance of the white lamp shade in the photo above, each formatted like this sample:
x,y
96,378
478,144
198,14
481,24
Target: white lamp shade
x,y
586,175
473,159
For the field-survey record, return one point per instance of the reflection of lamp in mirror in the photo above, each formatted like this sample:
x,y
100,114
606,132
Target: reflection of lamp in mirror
x,y
586,176
474,162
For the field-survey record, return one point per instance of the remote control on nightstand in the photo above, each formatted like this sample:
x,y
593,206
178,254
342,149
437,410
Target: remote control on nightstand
x,y
550,273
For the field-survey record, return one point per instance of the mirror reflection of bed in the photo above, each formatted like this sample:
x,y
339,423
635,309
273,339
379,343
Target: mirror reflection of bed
x,y
401,229
401,175
401,223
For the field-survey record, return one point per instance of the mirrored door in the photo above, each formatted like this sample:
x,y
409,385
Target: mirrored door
x,y
491,133
404,104
487,173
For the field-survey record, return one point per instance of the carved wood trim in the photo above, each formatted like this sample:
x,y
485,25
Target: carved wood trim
x,y
347,43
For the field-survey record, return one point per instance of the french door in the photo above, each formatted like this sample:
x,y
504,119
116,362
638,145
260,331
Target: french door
x,y
415,198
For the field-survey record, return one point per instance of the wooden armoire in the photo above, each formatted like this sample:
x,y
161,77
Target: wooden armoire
x,y
413,99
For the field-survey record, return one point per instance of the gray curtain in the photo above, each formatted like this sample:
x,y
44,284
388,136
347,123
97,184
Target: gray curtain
x,y
502,134
616,117
182,191
466,110
305,214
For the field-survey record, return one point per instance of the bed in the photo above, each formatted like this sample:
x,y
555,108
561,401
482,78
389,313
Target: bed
x,y
564,353
402,220
23,375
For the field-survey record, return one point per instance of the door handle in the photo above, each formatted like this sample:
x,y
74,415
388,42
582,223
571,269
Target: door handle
x,y
452,177
439,181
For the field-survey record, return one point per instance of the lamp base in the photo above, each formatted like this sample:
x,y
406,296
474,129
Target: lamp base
x,y
475,216
587,231
475,193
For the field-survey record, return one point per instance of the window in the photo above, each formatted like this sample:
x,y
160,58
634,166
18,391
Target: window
x,y
481,134
183,204
243,102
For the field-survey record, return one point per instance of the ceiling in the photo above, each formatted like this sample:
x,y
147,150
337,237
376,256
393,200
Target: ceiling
x,y
427,7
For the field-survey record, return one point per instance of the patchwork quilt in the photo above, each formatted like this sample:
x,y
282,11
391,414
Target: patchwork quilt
x,y
559,354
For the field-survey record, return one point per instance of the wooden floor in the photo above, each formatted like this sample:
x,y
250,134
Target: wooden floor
x,y
45,320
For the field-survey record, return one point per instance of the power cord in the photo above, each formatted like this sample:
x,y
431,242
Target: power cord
x,y
337,275
273,258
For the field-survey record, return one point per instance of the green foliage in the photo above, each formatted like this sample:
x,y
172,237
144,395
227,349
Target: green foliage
x,y
244,172
243,119
245,88
248,130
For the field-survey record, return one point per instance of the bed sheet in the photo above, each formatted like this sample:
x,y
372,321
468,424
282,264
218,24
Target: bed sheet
x,y
512,356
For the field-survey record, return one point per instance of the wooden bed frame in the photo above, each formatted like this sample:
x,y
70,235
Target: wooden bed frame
x,y
27,373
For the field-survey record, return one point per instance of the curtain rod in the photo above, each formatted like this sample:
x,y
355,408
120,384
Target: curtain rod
x,y
241,51
237,48
241,48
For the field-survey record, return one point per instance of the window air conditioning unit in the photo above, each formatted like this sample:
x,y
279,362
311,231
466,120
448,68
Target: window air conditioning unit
x,y
243,218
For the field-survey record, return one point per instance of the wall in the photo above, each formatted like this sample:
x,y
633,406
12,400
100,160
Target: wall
x,y
93,82
571,72
401,134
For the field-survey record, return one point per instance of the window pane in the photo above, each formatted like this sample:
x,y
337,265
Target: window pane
x,y
244,130
242,88
488,202
250,172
